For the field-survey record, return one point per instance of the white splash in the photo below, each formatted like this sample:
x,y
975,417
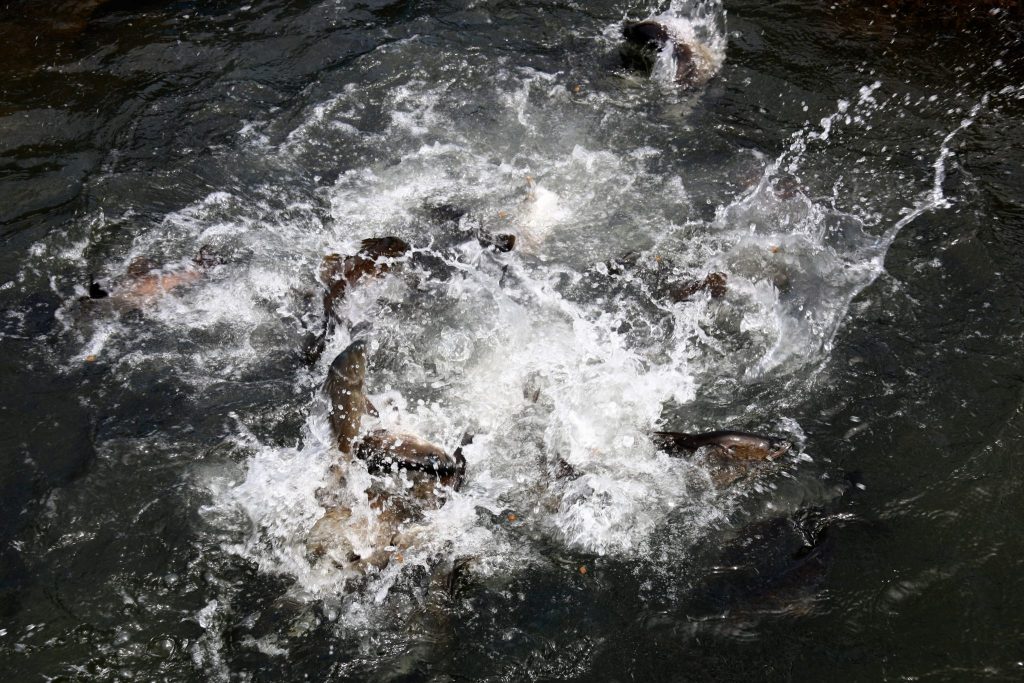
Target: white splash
x,y
500,348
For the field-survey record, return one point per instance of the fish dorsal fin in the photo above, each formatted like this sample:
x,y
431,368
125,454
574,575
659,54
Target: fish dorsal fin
x,y
370,408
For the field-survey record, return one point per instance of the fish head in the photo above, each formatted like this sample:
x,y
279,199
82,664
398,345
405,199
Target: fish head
x,y
646,34
350,365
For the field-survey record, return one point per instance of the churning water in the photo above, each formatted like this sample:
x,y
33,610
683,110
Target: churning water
x,y
159,506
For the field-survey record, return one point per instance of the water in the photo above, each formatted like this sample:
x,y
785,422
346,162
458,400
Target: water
x,y
855,176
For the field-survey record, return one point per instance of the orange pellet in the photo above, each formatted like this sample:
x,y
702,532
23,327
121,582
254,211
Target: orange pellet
x,y
511,517
583,570
90,358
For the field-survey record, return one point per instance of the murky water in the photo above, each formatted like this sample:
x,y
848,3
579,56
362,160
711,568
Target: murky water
x,y
856,176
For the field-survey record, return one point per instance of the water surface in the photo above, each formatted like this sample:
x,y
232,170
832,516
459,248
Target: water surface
x,y
855,175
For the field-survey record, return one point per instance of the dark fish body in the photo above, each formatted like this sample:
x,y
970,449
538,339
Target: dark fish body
x,y
145,279
499,241
774,566
645,39
338,273
714,284
686,66
344,387
646,34
387,452
726,444
96,291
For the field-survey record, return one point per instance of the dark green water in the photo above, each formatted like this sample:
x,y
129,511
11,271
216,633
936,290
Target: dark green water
x,y
157,469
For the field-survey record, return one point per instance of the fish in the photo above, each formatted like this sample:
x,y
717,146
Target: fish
x,y
772,567
498,241
646,34
353,542
645,40
96,290
361,541
725,444
385,452
145,279
340,273
344,387
392,526
372,260
714,284
657,275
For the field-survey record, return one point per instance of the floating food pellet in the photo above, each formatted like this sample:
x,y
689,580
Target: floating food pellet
x,y
577,89
583,569
775,249
399,558
91,358
502,214
511,517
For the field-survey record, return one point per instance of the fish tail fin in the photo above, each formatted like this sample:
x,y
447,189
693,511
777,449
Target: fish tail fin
x,y
460,461
96,291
